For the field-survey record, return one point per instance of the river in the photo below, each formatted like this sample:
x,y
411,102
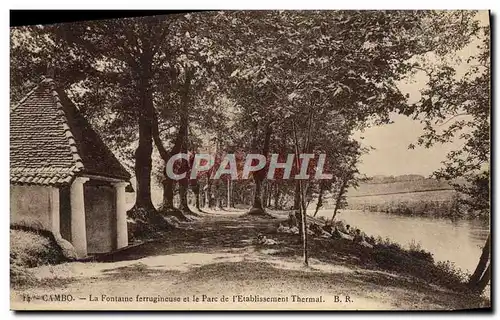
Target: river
x,y
460,241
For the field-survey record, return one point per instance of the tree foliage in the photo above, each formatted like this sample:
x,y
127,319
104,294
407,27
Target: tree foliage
x,y
244,77
457,107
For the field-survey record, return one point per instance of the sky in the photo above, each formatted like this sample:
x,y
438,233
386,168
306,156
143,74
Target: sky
x,y
391,155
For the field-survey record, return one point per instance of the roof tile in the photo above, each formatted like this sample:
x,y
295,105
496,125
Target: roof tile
x,y
50,141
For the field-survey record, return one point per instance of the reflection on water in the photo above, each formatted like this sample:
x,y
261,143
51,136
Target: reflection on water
x,y
458,241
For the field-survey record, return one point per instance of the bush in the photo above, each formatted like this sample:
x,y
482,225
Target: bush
x,y
420,208
414,261
448,273
388,244
391,256
143,224
416,251
419,263
422,255
31,248
20,276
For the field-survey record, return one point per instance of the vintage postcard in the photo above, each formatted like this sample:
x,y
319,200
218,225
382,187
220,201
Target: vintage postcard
x,y
251,160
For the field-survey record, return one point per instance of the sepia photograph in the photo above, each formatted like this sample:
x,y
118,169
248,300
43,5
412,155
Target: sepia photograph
x,y
326,160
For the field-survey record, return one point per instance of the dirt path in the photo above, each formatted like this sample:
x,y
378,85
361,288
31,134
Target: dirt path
x,y
214,264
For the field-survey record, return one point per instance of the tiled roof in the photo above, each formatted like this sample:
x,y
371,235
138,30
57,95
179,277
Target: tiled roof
x,y
50,141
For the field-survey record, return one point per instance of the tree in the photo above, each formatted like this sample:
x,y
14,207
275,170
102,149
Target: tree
x,y
352,60
458,106
180,146
328,72
136,50
34,50
482,274
190,91
345,178
124,57
128,62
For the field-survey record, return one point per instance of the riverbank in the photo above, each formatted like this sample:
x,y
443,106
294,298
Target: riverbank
x,y
218,255
459,241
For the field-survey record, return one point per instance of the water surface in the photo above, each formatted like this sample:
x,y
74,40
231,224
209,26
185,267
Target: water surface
x,y
458,241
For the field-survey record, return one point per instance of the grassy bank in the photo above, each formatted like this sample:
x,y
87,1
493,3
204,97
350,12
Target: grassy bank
x,y
421,208
419,197
385,255
436,204
31,248
401,205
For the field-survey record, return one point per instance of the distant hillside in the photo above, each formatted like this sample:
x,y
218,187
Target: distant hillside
x,y
408,195
388,179
383,185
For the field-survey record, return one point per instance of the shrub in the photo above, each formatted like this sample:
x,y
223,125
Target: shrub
x,y
143,224
419,263
422,255
32,248
449,273
391,256
446,208
416,251
414,246
21,276
388,243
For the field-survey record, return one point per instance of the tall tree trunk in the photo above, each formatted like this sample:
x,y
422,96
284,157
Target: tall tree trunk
x,y
257,199
208,195
144,151
184,125
297,206
215,193
180,145
485,279
183,204
301,202
143,207
168,206
276,197
257,208
479,273
320,199
229,192
183,190
269,194
143,166
303,197
265,188
196,190
168,194
338,200
304,230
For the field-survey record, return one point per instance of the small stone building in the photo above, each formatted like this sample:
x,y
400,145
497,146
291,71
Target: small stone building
x,y
63,178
